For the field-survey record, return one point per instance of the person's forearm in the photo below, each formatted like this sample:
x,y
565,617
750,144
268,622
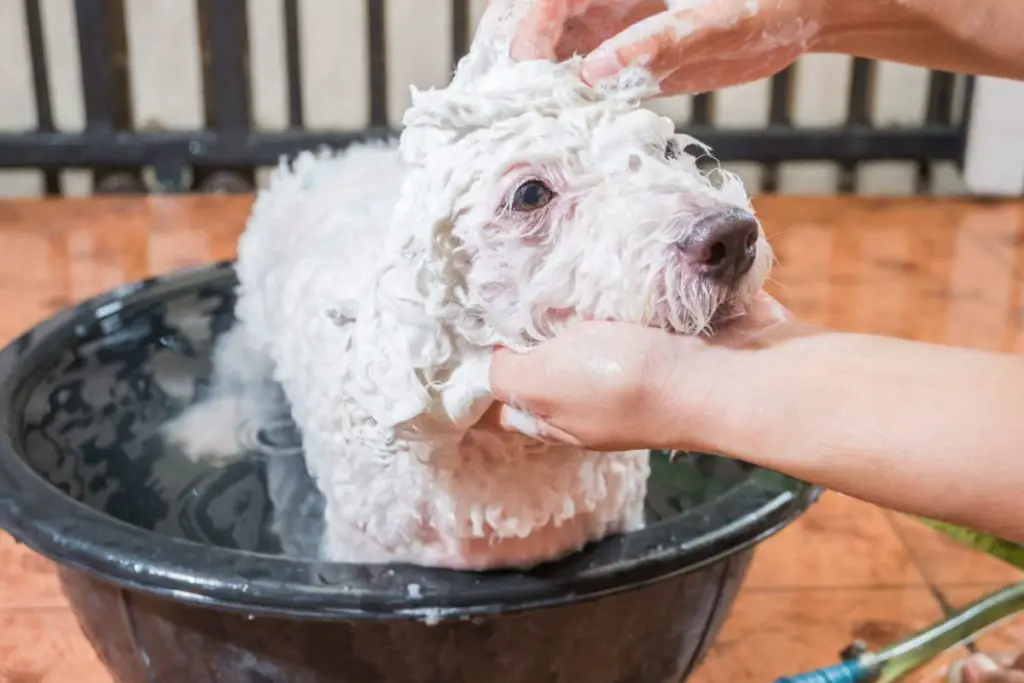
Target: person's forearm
x,y
924,429
969,36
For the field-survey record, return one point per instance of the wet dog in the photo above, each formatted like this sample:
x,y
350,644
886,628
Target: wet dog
x,y
375,282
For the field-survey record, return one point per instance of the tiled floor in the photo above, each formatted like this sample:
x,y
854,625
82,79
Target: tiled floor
x,y
936,271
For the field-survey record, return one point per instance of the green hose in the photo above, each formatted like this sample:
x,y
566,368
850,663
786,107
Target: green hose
x,y
898,660
1007,551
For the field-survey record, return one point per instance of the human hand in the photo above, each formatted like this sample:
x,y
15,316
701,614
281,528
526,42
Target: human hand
x,y
980,668
616,386
684,46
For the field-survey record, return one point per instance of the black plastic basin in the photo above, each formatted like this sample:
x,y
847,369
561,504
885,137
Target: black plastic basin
x,y
181,572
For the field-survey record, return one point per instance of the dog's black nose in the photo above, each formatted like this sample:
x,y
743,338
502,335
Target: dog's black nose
x,y
723,245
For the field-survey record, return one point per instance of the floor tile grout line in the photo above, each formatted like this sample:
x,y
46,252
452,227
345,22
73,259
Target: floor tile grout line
x,y
918,565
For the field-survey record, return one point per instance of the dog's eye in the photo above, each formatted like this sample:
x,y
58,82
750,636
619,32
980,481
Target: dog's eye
x,y
672,150
532,195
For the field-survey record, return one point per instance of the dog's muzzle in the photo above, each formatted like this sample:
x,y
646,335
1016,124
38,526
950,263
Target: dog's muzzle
x,y
723,245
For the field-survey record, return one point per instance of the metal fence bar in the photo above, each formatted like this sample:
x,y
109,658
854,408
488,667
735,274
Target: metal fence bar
x,y
377,62
210,149
858,115
968,106
226,88
702,110
779,114
939,111
460,30
95,44
226,79
293,63
940,97
40,74
100,26
860,93
963,121
41,85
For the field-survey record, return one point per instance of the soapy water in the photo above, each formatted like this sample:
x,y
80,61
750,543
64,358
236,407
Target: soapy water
x,y
92,429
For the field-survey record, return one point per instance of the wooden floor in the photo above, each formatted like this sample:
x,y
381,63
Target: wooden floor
x,y
930,270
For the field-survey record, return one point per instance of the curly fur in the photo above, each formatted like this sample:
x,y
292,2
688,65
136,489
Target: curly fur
x,y
374,282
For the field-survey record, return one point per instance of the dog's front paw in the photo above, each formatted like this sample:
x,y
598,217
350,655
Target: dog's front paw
x,y
467,394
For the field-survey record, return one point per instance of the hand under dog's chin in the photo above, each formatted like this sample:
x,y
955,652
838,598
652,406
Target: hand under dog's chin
x,y
729,311
660,316
721,316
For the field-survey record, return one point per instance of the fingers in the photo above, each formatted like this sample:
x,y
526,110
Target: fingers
x,y
761,315
766,310
681,49
505,418
699,46
511,378
539,29
513,420
646,45
529,379
665,43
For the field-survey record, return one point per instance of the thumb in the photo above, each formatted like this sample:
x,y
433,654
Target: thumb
x,y
513,383
511,376
765,310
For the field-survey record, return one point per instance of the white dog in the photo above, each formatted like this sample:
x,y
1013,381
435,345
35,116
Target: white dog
x,y
374,284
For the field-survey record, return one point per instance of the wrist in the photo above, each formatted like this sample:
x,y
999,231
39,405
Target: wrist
x,y
849,27
728,395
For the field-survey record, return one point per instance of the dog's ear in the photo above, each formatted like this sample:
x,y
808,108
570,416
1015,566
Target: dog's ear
x,y
411,364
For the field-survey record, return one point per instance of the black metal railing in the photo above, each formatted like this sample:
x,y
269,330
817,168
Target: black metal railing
x,y
224,154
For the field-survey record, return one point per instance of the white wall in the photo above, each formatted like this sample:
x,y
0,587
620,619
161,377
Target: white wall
x,y
994,163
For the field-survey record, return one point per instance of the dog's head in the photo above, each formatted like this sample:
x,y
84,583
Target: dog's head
x,y
552,201
532,199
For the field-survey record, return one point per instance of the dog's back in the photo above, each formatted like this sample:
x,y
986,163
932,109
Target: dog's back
x,y
312,241
326,215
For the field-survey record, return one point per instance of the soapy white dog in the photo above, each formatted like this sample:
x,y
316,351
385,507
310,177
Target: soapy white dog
x,y
375,282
